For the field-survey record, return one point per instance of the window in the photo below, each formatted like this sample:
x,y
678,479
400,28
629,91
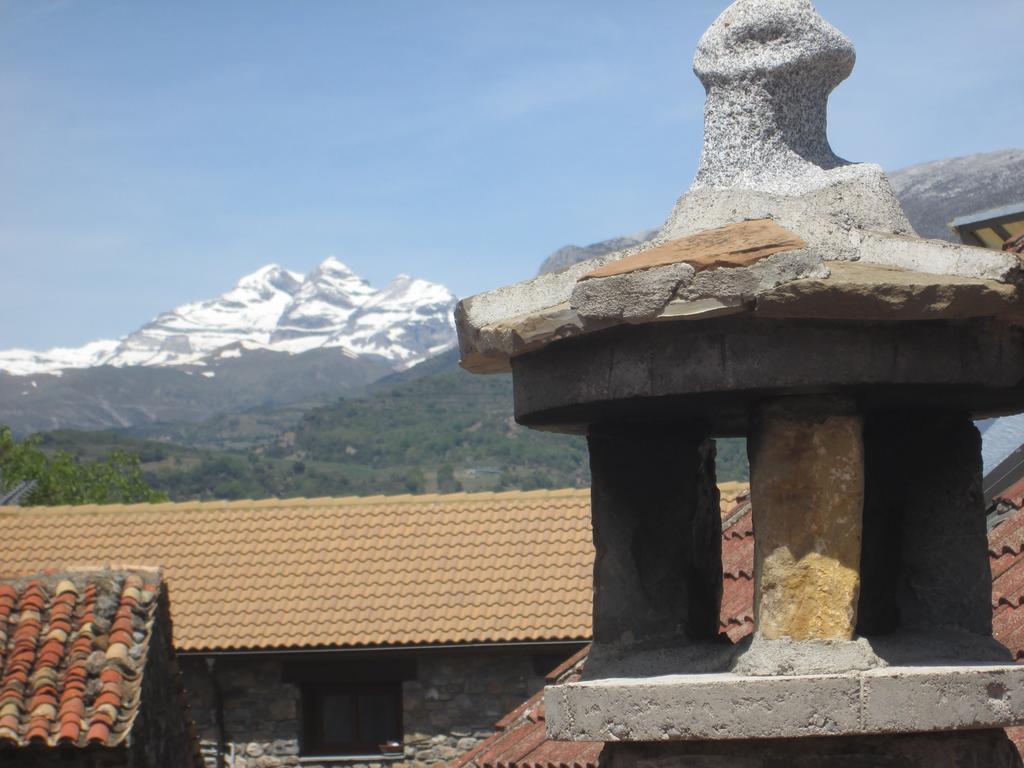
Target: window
x,y
352,719
351,706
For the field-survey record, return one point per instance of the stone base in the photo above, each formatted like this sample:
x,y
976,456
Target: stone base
x,y
890,700
970,749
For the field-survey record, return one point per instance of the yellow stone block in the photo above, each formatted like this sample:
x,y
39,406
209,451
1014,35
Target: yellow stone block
x,y
807,486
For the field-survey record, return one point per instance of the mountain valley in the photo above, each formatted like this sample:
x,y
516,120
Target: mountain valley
x,y
239,396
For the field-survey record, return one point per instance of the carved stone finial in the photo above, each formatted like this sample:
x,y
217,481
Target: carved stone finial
x,y
768,67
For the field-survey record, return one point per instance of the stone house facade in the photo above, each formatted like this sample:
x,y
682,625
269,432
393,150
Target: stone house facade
x,y
250,710
355,631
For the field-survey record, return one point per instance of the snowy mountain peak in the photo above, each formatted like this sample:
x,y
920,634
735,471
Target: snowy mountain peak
x,y
273,277
334,265
278,310
416,289
335,279
322,305
410,320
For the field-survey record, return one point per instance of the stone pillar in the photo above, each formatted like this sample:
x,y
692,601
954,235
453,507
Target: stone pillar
x,y
807,489
657,535
925,563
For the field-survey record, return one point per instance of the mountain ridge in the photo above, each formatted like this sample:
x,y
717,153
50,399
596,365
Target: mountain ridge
x,y
276,310
935,193
932,194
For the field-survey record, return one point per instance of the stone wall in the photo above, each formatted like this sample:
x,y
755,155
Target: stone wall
x,y
162,733
450,706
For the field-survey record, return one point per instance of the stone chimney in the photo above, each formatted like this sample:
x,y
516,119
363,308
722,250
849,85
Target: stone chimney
x,y
786,299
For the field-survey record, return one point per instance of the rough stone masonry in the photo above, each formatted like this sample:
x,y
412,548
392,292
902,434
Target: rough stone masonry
x,y
786,299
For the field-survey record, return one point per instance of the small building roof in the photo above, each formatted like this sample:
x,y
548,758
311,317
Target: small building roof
x,y
520,740
74,648
75,651
999,228
339,572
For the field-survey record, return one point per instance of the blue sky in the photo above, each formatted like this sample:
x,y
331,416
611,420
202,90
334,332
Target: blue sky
x,y
153,152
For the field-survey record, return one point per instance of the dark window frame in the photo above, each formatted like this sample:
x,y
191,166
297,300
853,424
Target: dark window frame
x,y
315,743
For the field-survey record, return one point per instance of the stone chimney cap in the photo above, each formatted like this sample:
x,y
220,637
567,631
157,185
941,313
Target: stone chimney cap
x,y
768,67
775,224
761,39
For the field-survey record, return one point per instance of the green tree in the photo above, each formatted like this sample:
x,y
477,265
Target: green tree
x,y
446,482
62,479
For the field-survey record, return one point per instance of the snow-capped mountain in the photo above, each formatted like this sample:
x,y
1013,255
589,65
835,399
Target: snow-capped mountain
x,y
277,310
24,362
322,305
402,316
247,313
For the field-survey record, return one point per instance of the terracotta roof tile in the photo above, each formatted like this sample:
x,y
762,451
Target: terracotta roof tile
x,y
57,683
1015,244
1006,557
1013,495
520,741
736,618
370,571
1008,537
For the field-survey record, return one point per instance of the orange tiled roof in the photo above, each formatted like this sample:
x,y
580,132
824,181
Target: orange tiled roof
x,y
72,651
1006,555
520,740
403,570
736,618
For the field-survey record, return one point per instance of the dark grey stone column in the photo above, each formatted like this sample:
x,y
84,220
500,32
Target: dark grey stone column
x,y
657,532
925,557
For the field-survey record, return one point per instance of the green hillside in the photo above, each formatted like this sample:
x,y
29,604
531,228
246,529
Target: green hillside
x,y
106,397
432,428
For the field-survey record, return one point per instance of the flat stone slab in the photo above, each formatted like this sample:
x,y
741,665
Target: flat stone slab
x,y
734,245
724,706
865,291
